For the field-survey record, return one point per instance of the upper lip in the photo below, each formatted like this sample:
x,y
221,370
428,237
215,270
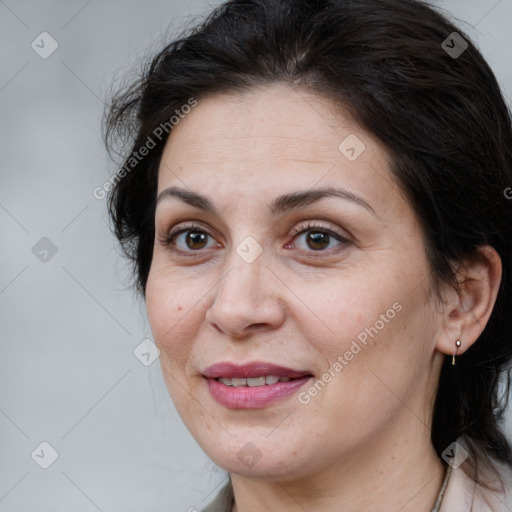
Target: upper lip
x,y
248,370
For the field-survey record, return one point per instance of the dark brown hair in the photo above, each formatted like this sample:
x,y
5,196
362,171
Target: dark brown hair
x,y
441,117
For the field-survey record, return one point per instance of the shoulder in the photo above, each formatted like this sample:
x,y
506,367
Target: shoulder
x,y
492,492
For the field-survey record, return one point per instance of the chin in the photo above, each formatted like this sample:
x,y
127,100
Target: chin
x,y
257,457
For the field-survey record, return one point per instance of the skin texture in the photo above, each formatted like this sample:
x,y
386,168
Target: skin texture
x,y
364,438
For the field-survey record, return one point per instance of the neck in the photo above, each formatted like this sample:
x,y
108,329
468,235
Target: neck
x,y
402,474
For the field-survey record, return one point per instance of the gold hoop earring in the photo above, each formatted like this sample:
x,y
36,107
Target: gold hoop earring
x,y
458,343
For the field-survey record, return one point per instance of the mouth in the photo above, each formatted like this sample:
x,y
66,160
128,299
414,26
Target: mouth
x,y
254,385
253,382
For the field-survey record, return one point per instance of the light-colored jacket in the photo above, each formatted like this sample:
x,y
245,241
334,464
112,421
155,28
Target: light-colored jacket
x,y
463,494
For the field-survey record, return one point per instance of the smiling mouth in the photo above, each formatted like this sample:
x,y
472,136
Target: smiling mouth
x,y
252,382
253,385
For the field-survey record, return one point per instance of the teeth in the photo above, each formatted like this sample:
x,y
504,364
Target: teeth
x,y
271,379
238,382
253,382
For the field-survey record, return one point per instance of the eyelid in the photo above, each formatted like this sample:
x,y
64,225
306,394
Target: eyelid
x,y
318,225
183,227
312,226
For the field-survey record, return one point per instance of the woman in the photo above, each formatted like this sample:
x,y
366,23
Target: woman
x,y
315,203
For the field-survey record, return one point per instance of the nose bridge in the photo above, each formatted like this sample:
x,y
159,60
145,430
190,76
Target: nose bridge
x,y
245,296
242,282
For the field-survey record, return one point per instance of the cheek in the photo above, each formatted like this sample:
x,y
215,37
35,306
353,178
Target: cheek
x,y
174,312
172,309
362,321
348,308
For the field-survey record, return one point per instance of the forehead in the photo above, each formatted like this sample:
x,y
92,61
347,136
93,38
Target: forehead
x,y
272,120
273,137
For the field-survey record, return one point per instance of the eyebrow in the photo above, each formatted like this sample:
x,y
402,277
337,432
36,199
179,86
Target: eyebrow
x,y
280,205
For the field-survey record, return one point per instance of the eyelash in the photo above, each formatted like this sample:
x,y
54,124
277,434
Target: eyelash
x,y
299,230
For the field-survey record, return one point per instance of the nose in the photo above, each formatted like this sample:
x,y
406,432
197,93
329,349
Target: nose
x,y
248,299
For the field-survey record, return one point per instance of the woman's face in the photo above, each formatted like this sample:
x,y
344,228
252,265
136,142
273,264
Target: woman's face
x,y
267,276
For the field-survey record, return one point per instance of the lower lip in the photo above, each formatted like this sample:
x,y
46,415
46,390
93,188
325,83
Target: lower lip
x,y
246,397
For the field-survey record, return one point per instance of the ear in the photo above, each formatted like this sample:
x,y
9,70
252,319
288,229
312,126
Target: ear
x,y
468,309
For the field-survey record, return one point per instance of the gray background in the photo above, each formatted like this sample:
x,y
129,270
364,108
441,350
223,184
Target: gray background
x,y
68,374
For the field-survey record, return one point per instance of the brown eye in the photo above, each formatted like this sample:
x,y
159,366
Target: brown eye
x,y
189,240
196,239
317,240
